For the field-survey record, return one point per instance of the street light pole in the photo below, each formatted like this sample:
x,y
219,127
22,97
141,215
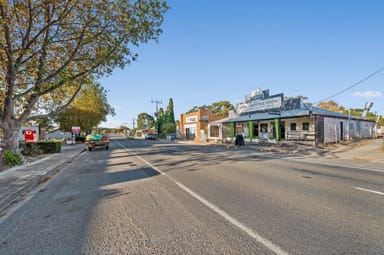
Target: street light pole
x,y
157,102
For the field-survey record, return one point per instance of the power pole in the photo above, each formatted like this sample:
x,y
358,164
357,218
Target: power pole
x,y
133,123
157,102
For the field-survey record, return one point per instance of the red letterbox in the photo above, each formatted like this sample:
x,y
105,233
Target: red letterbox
x,y
29,135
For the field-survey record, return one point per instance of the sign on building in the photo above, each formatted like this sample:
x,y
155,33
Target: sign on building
x,y
259,102
191,119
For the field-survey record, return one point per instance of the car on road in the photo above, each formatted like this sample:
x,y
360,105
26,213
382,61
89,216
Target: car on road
x,y
150,136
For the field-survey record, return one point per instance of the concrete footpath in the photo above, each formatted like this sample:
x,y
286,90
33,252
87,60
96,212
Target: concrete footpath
x,y
366,150
17,181
366,154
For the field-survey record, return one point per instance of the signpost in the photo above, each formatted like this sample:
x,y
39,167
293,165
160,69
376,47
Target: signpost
x,y
75,130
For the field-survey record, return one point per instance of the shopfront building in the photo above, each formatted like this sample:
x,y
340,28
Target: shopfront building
x,y
194,125
271,118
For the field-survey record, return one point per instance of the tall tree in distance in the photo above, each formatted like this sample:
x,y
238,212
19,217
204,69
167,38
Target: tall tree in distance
x,y
48,46
169,125
160,120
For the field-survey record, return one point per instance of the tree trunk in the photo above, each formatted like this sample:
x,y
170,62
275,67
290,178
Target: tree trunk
x,y
11,137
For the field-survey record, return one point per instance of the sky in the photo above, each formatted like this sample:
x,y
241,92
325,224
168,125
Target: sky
x,y
216,50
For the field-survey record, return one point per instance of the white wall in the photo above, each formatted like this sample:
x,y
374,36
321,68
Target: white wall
x,y
299,125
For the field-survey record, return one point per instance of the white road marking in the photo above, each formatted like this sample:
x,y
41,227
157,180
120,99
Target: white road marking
x,y
372,191
268,244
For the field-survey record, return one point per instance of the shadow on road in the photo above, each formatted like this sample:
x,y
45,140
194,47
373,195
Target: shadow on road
x,y
126,175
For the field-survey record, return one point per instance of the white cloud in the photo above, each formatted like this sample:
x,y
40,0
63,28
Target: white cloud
x,y
368,94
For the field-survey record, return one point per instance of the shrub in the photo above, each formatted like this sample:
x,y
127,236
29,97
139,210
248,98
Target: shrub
x,y
11,158
80,139
41,147
30,149
50,146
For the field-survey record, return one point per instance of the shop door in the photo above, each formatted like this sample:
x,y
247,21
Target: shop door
x,y
282,130
187,133
341,131
319,130
255,129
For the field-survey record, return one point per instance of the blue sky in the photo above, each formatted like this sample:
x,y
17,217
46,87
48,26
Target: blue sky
x,y
213,50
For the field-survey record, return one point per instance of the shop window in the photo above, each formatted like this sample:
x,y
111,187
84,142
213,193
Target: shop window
x,y
293,126
306,126
264,128
190,132
214,131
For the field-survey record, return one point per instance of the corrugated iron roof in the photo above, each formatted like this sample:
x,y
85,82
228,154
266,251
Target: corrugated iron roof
x,y
303,111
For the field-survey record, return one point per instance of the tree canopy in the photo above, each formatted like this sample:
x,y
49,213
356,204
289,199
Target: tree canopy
x,y
165,122
160,119
356,112
332,106
145,118
220,108
169,125
50,48
88,109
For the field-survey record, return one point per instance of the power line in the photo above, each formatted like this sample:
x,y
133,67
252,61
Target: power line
x,y
354,85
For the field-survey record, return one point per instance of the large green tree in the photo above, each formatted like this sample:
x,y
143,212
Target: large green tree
x,y
145,118
89,108
220,108
48,48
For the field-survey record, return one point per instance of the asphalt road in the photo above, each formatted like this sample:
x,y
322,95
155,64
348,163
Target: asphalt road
x,y
149,197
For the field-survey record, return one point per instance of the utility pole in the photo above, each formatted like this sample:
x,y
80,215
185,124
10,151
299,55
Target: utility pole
x,y
157,102
133,123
